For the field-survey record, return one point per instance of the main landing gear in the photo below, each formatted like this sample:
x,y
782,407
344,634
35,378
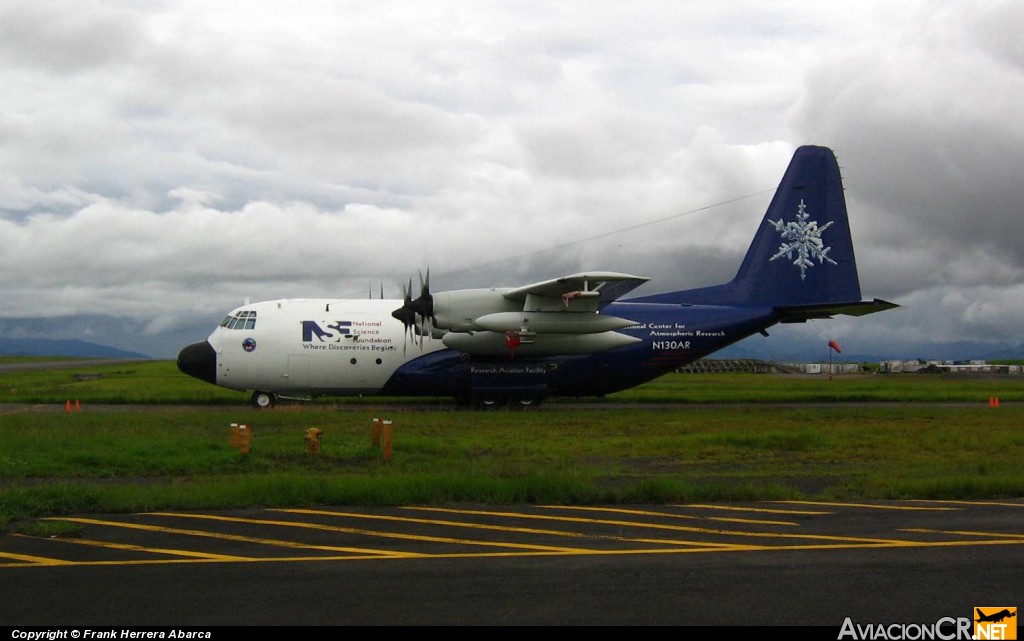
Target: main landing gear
x,y
263,400
493,400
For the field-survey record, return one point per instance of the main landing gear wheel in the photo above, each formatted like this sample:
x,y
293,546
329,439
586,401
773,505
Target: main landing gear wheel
x,y
262,400
491,402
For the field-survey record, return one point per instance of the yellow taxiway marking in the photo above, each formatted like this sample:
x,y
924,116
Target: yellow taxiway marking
x,y
406,519
619,510
966,533
389,535
798,541
766,510
500,528
29,560
675,528
227,537
138,548
524,553
996,503
870,506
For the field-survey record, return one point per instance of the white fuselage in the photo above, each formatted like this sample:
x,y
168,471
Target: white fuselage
x,y
314,345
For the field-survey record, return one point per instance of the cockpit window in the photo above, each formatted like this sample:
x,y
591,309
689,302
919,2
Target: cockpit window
x,y
242,320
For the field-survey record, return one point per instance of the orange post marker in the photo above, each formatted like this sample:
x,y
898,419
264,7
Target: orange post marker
x,y
375,432
244,438
388,434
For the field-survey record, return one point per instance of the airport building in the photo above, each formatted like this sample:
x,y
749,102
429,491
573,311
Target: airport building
x,y
912,366
948,367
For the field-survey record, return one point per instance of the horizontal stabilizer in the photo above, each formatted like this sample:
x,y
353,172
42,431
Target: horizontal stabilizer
x,y
801,313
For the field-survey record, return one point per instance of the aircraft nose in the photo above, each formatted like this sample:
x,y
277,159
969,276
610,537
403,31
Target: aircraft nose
x,y
199,361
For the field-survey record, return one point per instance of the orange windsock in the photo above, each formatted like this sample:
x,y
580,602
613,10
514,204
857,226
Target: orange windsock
x,y
834,345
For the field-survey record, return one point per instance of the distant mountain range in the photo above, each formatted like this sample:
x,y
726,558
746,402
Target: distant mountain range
x,y
48,347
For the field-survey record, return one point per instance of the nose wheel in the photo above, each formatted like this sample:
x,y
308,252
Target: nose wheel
x,y
262,400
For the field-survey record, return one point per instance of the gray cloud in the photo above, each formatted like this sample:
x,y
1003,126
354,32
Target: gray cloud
x,y
161,162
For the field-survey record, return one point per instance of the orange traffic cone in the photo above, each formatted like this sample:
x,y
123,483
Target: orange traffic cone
x,y
996,399
67,406
78,406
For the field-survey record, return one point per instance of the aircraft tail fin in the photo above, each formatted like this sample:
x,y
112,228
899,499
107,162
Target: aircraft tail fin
x,y
801,261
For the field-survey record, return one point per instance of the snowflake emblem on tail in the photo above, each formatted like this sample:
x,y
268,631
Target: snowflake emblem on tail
x,y
802,238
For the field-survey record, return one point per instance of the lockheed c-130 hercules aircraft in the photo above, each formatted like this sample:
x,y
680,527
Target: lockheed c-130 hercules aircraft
x,y
568,336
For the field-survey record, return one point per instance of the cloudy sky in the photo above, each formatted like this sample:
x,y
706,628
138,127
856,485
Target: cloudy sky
x,y
161,161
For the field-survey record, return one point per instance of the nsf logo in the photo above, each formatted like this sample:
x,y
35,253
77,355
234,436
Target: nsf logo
x,y
995,623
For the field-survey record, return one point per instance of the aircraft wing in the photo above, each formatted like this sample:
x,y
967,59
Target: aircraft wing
x,y
590,290
555,317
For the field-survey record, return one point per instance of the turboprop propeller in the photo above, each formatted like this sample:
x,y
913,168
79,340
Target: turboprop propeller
x,y
416,314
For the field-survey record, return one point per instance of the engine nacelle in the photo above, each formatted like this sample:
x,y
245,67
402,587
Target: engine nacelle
x,y
457,310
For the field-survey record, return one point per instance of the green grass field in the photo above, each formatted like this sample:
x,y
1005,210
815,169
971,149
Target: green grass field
x,y
707,437
160,382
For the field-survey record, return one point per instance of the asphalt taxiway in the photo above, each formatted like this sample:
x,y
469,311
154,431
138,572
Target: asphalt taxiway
x,y
766,563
